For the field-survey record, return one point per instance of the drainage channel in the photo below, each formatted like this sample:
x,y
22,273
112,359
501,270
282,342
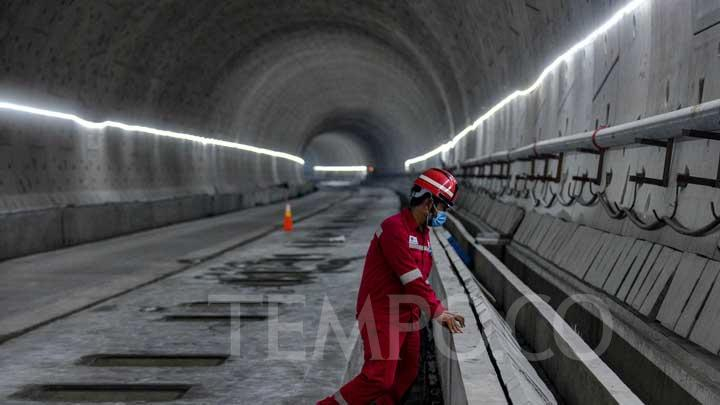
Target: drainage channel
x,y
147,318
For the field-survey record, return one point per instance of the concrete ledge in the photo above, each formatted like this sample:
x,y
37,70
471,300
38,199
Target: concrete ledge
x,y
490,239
29,232
470,377
472,224
34,231
522,382
487,215
585,381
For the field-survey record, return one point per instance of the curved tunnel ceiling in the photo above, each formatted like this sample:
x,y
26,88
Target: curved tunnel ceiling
x,y
402,75
316,83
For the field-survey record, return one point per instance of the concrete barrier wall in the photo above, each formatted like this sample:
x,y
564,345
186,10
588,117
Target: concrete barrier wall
x,y
654,298
43,209
61,184
577,373
521,381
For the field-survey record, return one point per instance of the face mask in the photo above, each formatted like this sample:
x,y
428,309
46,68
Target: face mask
x,y
438,219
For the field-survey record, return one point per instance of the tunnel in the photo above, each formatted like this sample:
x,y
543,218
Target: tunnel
x,y
196,198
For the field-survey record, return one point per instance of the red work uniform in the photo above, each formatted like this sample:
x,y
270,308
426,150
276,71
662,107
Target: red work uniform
x,y
396,271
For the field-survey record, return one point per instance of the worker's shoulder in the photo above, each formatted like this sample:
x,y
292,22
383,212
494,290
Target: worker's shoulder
x,y
394,222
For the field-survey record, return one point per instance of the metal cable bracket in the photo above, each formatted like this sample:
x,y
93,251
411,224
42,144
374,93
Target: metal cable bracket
x,y
640,177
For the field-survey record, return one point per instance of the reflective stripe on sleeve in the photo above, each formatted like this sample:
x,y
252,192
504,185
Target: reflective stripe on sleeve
x,y
410,276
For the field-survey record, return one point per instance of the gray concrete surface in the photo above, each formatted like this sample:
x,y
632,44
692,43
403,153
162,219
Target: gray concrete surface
x,y
579,374
466,366
659,58
639,347
28,229
39,288
521,382
134,322
348,81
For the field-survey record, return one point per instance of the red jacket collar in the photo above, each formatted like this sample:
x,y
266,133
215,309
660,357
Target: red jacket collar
x,y
410,220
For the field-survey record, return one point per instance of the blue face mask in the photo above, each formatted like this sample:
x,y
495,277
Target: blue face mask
x,y
438,219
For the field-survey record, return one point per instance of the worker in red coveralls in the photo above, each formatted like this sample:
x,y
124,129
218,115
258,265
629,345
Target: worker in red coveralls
x,y
394,289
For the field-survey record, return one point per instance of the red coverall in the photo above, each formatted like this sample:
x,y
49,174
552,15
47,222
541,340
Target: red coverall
x,y
398,263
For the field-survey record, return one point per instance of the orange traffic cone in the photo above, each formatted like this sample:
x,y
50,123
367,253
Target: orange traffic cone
x,y
288,222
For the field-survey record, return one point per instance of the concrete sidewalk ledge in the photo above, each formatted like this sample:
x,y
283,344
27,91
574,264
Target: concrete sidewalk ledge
x,y
577,373
489,238
488,215
69,223
522,382
470,377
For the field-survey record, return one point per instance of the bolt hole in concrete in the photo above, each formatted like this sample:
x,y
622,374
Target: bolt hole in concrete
x,y
301,256
103,392
211,317
336,264
105,308
152,309
317,242
325,235
226,306
273,272
332,228
310,245
347,221
153,360
262,283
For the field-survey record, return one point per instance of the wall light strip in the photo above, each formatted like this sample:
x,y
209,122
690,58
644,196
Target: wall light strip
x,y
153,131
616,18
361,169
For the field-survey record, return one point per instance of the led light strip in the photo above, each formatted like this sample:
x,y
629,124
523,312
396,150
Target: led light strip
x,y
362,169
617,17
137,128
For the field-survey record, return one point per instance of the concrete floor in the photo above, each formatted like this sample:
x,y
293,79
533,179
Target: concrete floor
x,y
38,288
133,322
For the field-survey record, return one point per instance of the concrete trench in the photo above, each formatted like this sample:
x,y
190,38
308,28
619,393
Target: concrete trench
x,y
647,378
659,366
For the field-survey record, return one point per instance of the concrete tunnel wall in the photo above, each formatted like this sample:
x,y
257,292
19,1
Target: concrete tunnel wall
x,y
662,57
402,76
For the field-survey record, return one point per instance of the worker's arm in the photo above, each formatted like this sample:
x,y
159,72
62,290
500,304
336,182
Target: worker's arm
x,y
394,244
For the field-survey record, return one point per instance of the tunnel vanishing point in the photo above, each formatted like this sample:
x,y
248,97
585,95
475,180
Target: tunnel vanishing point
x,y
150,151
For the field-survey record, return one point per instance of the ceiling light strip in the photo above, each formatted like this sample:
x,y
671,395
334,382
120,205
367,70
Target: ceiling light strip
x,y
146,130
616,18
361,169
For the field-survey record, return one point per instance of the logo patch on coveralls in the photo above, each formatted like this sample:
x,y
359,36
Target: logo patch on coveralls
x,y
413,240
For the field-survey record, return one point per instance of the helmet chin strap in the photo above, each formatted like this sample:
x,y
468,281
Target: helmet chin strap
x,y
431,215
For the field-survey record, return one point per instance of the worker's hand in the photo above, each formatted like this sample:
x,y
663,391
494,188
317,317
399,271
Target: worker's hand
x,y
453,322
